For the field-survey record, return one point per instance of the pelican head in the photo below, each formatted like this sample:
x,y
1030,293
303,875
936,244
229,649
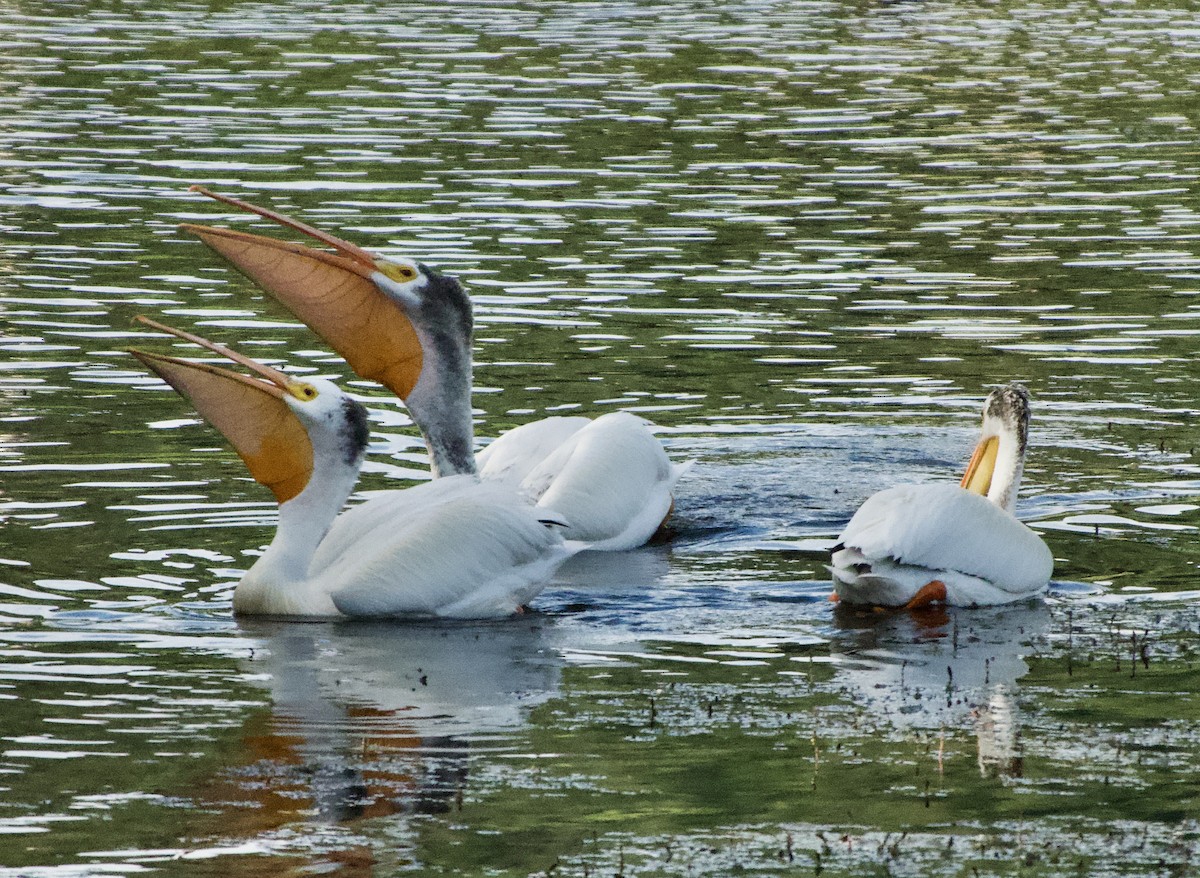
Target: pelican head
x,y
439,310
999,460
394,320
296,436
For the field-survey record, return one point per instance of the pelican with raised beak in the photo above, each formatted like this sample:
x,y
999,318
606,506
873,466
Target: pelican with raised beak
x,y
407,326
453,547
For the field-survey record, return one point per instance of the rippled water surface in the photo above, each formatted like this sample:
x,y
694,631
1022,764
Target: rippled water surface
x,y
802,238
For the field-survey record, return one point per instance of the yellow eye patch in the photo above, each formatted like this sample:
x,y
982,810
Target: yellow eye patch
x,y
398,271
304,392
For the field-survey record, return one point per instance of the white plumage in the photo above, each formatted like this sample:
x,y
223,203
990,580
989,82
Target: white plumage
x,y
450,547
610,478
916,544
510,457
473,557
905,537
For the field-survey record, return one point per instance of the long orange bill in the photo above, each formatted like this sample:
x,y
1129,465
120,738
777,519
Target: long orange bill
x,y
332,293
353,251
978,477
273,375
249,412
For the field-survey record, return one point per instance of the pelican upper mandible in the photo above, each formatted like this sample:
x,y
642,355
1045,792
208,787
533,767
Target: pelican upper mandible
x,y
960,544
408,327
452,547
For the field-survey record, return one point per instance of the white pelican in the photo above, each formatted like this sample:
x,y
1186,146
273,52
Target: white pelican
x,y
959,544
408,327
452,547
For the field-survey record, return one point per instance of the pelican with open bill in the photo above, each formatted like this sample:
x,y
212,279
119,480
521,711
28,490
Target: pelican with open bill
x,y
408,327
914,545
452,547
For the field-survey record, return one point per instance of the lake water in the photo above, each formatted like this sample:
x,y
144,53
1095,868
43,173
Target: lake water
x,y
804,239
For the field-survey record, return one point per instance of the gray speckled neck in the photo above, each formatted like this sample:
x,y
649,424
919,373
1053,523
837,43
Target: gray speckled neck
x,y
440,403
1006,414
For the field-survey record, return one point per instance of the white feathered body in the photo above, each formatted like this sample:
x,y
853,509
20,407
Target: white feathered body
x,y
452,547
610,478
514,453
902,538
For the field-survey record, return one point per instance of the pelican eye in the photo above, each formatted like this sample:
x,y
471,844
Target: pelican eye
x,y
304,392
398,271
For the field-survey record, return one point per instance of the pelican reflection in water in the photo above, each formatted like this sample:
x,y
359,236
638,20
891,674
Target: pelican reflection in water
x,y
372,719
943,669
